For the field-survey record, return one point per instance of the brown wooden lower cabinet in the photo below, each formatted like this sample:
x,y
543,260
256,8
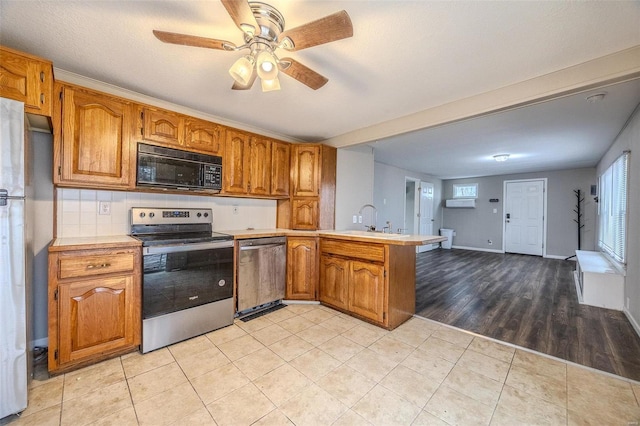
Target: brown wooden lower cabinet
x,y
374,282
94,305
302,268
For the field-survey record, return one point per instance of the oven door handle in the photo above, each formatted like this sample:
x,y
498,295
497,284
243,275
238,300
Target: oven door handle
x,y
186,247
261,246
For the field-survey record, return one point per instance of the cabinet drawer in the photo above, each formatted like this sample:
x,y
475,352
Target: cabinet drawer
x,y
83,266
372,252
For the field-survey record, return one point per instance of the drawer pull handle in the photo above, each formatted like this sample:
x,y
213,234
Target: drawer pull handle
x,y
100,266
42,76
42,98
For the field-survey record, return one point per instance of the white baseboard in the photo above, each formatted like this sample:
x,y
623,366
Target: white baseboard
x,y
556,256
632,320
478,249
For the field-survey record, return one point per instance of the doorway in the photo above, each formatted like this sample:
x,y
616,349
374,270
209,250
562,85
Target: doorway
x,y
411,206
418,210
524,217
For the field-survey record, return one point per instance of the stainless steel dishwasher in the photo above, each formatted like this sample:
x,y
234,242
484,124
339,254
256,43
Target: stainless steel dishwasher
x,y
262,273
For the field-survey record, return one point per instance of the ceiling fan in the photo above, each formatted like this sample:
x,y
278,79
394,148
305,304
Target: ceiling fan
x,y
264,33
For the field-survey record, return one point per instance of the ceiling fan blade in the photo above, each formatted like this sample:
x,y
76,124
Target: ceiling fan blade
x,y
238,86
189,40
242,15
324,30
303,74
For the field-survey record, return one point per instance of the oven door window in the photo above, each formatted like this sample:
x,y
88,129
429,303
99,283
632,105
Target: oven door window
x,y
177,281
166,171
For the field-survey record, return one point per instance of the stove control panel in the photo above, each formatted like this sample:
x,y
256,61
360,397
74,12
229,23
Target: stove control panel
x,y
161,216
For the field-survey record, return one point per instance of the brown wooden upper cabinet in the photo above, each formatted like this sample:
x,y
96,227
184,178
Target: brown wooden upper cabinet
x,y
313,185
305,172
27,79
259,166
204,136
255,165
159,125
235,164
91,138
280,168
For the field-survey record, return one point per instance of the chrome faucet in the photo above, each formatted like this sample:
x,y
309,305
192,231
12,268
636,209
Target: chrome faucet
x,y
371,227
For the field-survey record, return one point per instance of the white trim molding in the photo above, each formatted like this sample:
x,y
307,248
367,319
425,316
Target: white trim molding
x,y
478,249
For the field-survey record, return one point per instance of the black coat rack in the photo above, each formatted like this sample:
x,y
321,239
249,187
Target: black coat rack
x,y
578,219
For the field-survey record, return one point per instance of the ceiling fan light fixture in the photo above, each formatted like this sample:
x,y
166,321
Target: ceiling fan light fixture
x,y
501,157
266,65
270,85
242,69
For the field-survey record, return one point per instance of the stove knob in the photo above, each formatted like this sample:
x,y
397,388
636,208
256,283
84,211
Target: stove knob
x,y
206,215
199,214
142,214
152,214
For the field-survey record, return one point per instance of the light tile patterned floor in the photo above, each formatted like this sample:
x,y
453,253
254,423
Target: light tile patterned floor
x,y
310,365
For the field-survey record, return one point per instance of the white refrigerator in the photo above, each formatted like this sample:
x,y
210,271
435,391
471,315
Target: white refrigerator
x,y
16,255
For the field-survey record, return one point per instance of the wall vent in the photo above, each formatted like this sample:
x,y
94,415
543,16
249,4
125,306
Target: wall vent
x,y
469,203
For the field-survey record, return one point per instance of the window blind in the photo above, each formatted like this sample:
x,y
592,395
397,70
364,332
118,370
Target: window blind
x,y
613,208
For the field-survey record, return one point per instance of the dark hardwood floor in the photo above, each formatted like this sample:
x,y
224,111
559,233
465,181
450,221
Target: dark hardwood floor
x,y
528,301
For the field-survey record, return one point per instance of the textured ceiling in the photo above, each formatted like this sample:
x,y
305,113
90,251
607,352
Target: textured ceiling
x,y
404,57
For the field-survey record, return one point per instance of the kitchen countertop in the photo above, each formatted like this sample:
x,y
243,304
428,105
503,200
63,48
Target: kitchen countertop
x,y
242,234
79,243
348,235
379,237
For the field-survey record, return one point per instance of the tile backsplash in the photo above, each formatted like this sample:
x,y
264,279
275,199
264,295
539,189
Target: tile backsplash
x,y
79,216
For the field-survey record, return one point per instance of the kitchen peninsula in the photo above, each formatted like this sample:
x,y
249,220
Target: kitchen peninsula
x,y
369,275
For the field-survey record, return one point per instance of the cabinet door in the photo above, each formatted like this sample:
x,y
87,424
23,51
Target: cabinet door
x,y
204,136
334,281
306,170
280,168
163,126
366,290
304,213
95,138
260,166
96,316
302,268
27,80
236,162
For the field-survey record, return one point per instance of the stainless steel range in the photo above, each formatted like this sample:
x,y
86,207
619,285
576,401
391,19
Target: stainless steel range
x,y
187,279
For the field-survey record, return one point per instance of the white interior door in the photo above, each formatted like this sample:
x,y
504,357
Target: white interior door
x,y
524,217
426,213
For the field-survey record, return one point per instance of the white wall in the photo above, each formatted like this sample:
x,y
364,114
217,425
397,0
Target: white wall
x,y
629,139
389,184
354,184
78,214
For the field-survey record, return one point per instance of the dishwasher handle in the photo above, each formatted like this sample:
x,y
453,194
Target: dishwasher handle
x,y
263,246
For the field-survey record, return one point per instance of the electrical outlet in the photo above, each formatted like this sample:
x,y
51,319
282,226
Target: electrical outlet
x,y
359,219
355,219
104,208
495,210
235,209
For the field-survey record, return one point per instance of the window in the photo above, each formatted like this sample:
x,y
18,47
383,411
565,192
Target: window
x,y
613,209
465,190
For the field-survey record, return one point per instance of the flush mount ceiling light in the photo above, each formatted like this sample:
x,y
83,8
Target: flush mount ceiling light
x,y
597,97
501,157
264,33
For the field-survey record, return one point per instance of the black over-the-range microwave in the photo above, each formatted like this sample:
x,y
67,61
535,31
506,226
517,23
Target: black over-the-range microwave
x,y
175,169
